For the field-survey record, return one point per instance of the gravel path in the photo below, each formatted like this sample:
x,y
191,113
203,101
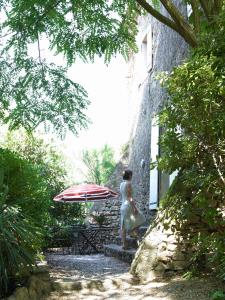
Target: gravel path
x,y
85,266
96,277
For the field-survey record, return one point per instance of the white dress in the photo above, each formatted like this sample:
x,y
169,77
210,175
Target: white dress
x,y
129,220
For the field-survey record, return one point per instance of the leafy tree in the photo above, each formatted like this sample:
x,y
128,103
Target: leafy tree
x,y
99,163
32,91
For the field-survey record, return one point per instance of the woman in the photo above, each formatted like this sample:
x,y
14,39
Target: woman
x,y
131,218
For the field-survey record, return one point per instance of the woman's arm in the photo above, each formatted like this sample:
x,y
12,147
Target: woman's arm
x,y
130,199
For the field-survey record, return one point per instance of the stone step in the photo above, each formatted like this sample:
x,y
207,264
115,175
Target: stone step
x,y
66,285
117,251
131,242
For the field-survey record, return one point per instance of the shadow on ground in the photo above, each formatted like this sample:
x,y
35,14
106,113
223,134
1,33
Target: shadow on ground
x,y
100,278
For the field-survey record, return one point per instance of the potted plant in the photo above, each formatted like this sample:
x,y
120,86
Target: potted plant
x,y
98,217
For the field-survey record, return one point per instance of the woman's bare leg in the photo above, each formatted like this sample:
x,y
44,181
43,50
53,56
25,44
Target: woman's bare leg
x,y
123,238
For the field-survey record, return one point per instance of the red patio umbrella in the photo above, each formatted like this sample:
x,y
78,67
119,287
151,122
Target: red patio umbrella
x,y
85,192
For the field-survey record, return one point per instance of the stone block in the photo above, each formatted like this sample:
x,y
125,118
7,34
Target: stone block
x,y
67,286
154,239
12,297
171,239
165,256
33,293
161,267
21,294
162,247
179,256
40,286
172,246
179,265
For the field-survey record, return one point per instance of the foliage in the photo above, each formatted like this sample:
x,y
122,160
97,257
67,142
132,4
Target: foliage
x,y
125,150
33,91
28,183
193,143
26,187
98,217
23,193
42,154
19,240
50,162
100,164
218,295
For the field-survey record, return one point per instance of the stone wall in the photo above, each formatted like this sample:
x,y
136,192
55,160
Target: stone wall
x,y
38,286
162,251
169,50
111,207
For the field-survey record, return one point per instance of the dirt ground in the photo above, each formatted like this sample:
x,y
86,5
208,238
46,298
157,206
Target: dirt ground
x,y
96,277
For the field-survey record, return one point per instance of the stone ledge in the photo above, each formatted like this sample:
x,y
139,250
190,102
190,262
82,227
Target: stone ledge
x,y
38,286
118,252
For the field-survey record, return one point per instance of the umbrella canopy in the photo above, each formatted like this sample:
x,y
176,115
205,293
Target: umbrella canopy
x,y
85,192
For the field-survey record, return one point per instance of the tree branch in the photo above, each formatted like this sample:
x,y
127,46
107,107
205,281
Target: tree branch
x,y
217,6
196,15
39,49
157,15
206,8
185,29
178,23
218,169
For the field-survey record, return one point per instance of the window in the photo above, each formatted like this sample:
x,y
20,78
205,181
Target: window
x,y
145,54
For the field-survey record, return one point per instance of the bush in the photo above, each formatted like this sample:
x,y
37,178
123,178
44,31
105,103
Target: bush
x,y
24,203
51,163
193,143
24,186
20,240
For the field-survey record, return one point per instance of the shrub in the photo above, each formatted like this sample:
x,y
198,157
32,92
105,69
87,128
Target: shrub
x,y
193,143
51,164
20,240
26,187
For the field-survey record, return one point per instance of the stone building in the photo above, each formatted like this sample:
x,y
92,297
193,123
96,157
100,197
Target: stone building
x,y
160,49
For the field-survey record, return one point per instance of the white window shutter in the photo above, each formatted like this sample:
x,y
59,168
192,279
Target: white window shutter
x,y
154,176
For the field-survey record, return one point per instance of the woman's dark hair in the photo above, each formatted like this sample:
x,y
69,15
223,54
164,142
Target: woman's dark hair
x,y
127,174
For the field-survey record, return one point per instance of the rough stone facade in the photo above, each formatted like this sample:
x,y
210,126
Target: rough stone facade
x,y
163,251
168,50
